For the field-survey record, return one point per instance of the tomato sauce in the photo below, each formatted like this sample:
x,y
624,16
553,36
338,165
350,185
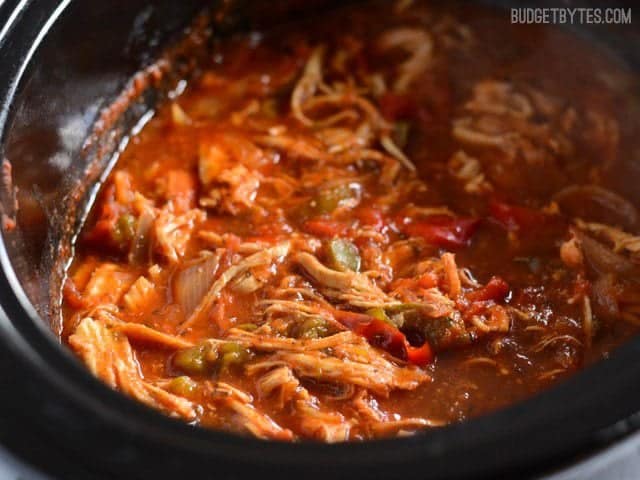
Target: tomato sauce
x,y
379,221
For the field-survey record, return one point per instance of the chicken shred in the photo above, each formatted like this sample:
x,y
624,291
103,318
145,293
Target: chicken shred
x,y
259,424
109,356
380,377
257,259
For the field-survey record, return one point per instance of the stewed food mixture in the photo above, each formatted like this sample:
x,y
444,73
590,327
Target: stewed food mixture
x,y
390,218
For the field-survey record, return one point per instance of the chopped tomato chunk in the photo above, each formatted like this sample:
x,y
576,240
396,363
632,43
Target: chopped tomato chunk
x,y
324,227
420,355
371,217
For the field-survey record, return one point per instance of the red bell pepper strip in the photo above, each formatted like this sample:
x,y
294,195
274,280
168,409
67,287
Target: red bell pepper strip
x,y
420,356
496,289
382,335
443,231
351,320
385,336
514,217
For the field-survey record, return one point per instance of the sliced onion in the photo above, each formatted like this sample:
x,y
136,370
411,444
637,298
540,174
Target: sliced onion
x,y
141,244
192,283
595,203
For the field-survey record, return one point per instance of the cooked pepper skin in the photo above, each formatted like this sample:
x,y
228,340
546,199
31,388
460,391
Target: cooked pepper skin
x,y
343,255
443,231
384,335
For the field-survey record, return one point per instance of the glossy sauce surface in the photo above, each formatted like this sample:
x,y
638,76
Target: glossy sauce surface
x,y
445,199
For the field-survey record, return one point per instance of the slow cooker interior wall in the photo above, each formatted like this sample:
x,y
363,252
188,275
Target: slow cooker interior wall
x,y
79,69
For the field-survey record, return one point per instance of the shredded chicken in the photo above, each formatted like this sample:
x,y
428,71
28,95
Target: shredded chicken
x,y
468,170
237,191
418,44
497,321
142,333
451,274
385,423
280,379
619,240
349,287
259,424
502,116
367,368
394,151
432,302
296,147
307,86
274,344
265,257
109,356
327,426
142,296
173,232
107,284
311,95
499,98
315,421
467,131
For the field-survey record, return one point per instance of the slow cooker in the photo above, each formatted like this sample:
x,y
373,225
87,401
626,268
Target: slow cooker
x,y
64,63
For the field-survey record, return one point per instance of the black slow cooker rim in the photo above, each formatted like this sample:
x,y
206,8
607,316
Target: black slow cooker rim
x,y
534,433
